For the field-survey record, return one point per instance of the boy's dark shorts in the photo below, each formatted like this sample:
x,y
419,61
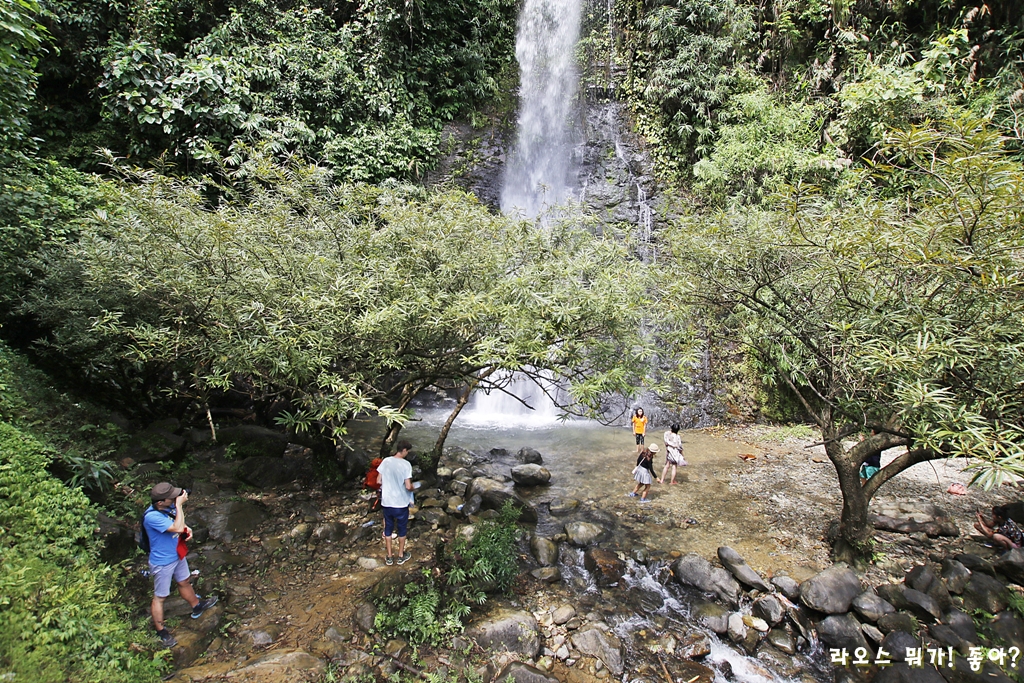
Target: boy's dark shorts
x,y
639,439
396,517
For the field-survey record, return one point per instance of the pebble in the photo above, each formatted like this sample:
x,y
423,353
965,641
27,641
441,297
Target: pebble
x,y
367,563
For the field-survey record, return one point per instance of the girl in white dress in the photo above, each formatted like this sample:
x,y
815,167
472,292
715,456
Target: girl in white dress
x,y
673,453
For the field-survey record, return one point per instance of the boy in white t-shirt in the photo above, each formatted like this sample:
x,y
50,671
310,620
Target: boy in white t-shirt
x,y
395,497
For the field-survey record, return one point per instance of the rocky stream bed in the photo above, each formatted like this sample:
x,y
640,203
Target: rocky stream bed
x,y
725,576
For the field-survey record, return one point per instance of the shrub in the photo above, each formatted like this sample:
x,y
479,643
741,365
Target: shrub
x,y
431,607
60,619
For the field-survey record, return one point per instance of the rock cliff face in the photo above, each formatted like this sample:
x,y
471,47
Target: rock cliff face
x,y
611,169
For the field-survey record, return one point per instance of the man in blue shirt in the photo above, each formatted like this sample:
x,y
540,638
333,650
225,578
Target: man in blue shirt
x,y
163,523
395,497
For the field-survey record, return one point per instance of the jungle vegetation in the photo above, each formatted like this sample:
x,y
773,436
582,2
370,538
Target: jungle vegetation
x,y
211,201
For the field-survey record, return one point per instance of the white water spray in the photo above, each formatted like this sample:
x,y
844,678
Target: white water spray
x,y
537,176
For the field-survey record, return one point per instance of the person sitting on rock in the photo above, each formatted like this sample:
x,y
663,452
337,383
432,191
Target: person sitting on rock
x,y
1003,531
164,523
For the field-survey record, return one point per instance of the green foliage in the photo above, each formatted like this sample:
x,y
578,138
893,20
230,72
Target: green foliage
x,y
681,70
763,144
40,203
491,556
365,87
431,608
899,308
20,38
167,103
337,299
60,613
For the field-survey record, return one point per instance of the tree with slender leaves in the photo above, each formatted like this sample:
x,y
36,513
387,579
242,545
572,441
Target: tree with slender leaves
x,y
896,315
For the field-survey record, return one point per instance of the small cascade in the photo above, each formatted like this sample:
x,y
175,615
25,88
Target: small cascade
x,y
650,611
517,399
645,224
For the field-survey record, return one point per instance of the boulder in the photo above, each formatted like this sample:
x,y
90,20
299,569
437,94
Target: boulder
x,y
985,593
530,475
872,633
544,550
923,578
712,616
253,441
604,646
454,505
787,586
893,594
563,614
562,506
739,568
896,643
1009,629
871,607
975,564
472,505
897,621
901,672
493,496
513,631
365,616
945,636
280,666
265,472
922,606
582,534
693,570
842,631
1011,565
769,608
955,576
604,565
831,591
781,639
519,672
328,532
547,574
737,630
961,672
231,519
910,517
530,456
962,625
696,645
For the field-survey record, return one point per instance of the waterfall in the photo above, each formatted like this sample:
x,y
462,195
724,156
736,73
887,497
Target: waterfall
x,y
645,223
537,175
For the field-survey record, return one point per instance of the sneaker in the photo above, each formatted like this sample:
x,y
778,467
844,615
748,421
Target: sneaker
x,y
405,558
389,560
631,495
204,605
167,639
645,500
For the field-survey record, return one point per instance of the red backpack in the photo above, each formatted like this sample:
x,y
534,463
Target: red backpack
x,y
372,480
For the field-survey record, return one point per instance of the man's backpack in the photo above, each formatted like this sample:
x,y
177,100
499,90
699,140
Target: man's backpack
x,y
372,480
142,536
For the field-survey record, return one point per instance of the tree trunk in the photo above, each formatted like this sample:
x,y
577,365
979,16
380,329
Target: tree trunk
x,y
391,435
463,400
853,542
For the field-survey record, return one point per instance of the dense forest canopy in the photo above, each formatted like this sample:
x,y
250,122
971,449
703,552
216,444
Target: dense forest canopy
x,y
208,201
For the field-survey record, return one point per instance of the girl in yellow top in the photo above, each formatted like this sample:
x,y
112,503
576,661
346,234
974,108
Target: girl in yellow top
x,y
639,428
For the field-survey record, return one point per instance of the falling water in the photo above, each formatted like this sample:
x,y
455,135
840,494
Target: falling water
x,y
645,222
537,176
